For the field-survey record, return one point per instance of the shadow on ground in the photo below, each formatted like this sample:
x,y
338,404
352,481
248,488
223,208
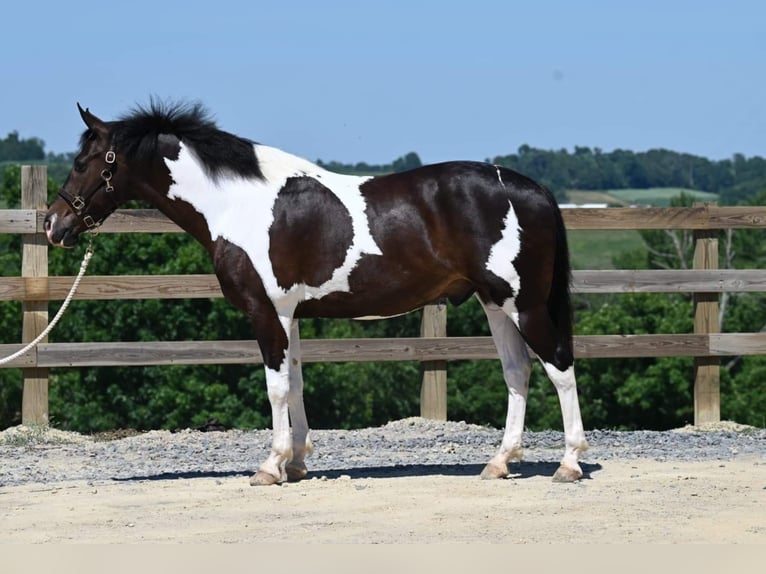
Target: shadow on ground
x,y
519,470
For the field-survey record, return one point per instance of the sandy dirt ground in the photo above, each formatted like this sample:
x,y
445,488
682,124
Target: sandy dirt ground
x,y
617,502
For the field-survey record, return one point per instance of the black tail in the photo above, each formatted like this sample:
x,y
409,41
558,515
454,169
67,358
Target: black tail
x,y
559,300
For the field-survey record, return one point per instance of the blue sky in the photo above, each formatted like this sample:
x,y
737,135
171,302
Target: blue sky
x,y
370,81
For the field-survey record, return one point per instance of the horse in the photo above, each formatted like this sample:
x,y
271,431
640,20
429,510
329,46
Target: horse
x,y
290,240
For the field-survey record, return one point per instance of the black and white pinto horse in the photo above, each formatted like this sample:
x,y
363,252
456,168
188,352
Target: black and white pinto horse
x,y
289,240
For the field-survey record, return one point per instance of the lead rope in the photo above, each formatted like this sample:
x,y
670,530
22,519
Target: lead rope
x,y
49,328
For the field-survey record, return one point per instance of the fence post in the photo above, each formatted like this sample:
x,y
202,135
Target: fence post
x,y
707,370
433,391
34,265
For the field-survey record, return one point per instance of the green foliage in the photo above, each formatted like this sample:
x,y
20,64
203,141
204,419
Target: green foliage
x,y
404,163
651,393
734,180
12,148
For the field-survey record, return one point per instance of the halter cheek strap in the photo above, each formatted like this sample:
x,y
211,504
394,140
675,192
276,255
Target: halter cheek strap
x,y
78,203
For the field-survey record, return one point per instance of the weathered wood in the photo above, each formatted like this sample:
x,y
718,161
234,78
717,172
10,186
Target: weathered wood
x,y
34,268
634,218
737,344
18,220
382,350
669,281
698,217
26,360
737,217
139,221
707,371
433,389
625,346
103,287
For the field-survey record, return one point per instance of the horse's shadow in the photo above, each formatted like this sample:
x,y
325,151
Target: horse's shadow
x,y
518,470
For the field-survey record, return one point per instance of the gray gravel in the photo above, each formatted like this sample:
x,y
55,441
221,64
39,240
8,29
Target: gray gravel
x,y
407,447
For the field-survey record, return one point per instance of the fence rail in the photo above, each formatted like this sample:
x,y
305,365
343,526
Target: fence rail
x,y
34,288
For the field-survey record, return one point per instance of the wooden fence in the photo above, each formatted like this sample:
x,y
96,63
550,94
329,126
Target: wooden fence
x,y
706,344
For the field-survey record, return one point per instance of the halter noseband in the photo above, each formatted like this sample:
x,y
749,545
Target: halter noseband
x,y
79,202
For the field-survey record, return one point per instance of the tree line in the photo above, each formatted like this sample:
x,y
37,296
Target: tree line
x,y
638,393
734,179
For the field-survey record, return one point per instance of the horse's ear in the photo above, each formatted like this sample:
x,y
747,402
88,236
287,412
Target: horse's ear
x,y
86,116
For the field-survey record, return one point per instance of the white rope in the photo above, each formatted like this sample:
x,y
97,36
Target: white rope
x,y
49,328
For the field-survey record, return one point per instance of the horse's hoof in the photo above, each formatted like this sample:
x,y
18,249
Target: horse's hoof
x,y
296,473
261,478
494,471
566,474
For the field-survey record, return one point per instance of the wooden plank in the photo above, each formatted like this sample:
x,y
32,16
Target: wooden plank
x,y
103,287
626,346
433,389
737,344
26,360
637,218
383,350
737,217
669,281
34,265
698,217
108,287
18,221
139,221
707,371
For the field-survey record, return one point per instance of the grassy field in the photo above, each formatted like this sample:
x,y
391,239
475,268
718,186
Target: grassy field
x,y
654,196
658,196
594,249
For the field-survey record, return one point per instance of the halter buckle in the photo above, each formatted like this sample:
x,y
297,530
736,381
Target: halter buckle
x,y
89,222
110,156
78,203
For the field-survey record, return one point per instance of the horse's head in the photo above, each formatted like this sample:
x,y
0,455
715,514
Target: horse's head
x,y
91,190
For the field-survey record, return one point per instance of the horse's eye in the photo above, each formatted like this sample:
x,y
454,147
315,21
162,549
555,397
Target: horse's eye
x,y
79,166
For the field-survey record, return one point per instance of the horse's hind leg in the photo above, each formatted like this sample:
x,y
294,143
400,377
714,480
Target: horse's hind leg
x,y
516,369
555,354
296,468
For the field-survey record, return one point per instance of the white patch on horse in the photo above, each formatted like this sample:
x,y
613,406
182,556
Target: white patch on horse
x,y
240,211
504,253
499,178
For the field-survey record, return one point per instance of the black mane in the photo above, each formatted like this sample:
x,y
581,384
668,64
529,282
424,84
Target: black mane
x,y
136,133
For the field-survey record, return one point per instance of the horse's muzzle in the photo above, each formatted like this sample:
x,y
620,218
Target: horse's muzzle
x,y
60,232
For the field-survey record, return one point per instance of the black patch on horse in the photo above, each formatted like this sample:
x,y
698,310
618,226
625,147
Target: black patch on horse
x,y
311,233
221,153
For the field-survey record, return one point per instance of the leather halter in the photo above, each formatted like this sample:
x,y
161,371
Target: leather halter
x,y
78,203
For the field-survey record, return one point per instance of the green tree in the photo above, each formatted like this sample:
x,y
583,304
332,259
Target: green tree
x,y
13,148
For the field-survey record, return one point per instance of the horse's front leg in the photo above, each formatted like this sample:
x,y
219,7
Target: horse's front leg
x,y
273,339
296,468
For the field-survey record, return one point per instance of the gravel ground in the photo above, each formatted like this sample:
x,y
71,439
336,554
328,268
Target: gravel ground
x,y
409,447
